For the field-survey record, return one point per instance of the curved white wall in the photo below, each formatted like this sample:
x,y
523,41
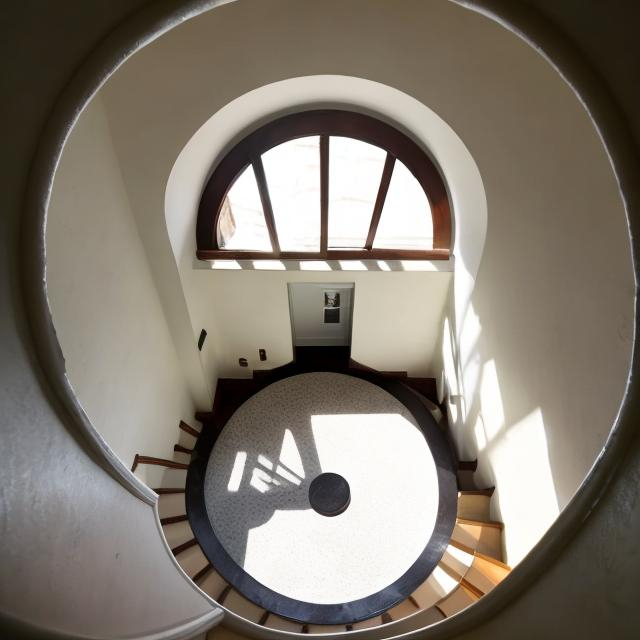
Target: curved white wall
x,y
119,354
541,351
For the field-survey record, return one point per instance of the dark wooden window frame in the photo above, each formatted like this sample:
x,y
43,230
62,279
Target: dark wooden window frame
x,y
324,123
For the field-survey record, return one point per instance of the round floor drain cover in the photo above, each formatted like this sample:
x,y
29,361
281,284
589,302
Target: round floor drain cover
x,y
329,494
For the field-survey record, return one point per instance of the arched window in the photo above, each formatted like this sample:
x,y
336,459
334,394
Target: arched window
x,y
322,185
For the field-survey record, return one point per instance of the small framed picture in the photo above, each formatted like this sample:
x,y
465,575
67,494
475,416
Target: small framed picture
x,y
331,299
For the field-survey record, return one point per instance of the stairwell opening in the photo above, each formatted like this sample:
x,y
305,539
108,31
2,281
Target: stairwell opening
x,y
467,367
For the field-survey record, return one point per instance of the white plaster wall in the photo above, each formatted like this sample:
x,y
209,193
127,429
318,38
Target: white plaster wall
x,y
543,345
119,354
554,305
251,311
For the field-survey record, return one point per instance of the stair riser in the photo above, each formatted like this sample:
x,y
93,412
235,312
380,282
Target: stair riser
x,y
474,507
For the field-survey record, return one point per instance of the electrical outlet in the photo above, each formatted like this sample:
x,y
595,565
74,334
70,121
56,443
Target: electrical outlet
x,y
263,354
243,362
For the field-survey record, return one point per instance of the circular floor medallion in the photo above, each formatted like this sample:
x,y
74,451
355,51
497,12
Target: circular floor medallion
x,y
329,494
261,469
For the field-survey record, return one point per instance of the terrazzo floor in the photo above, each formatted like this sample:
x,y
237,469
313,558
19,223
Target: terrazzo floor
x,y
260,469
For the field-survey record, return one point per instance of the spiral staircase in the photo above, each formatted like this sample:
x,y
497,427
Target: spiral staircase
x,y
471,566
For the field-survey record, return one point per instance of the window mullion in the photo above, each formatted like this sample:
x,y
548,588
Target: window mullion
x,y
261,179
385,180
324,194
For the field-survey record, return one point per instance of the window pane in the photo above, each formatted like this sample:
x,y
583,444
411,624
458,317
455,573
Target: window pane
x,y
355,170
406,221
241,222
292,170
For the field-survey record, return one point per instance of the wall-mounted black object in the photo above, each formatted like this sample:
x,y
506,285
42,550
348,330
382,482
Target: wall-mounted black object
x,y
263,354
243,362
331,315
203,335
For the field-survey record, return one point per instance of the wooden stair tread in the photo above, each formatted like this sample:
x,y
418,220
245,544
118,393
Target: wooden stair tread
x,y
178,448
237,603
404,609
212,583
456,562
376,621
477,492
173,519
471,588
282,624
480,536
431,616
465,475
479,554
161,462
203,572
188,429
177,533
480,523
428,593
184,546
485,575
459,599
192,560
171,505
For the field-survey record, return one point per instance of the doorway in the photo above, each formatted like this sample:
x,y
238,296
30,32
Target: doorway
x,y
321,314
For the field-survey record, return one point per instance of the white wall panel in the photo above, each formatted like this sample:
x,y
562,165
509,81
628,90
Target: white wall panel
x,y
119,354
